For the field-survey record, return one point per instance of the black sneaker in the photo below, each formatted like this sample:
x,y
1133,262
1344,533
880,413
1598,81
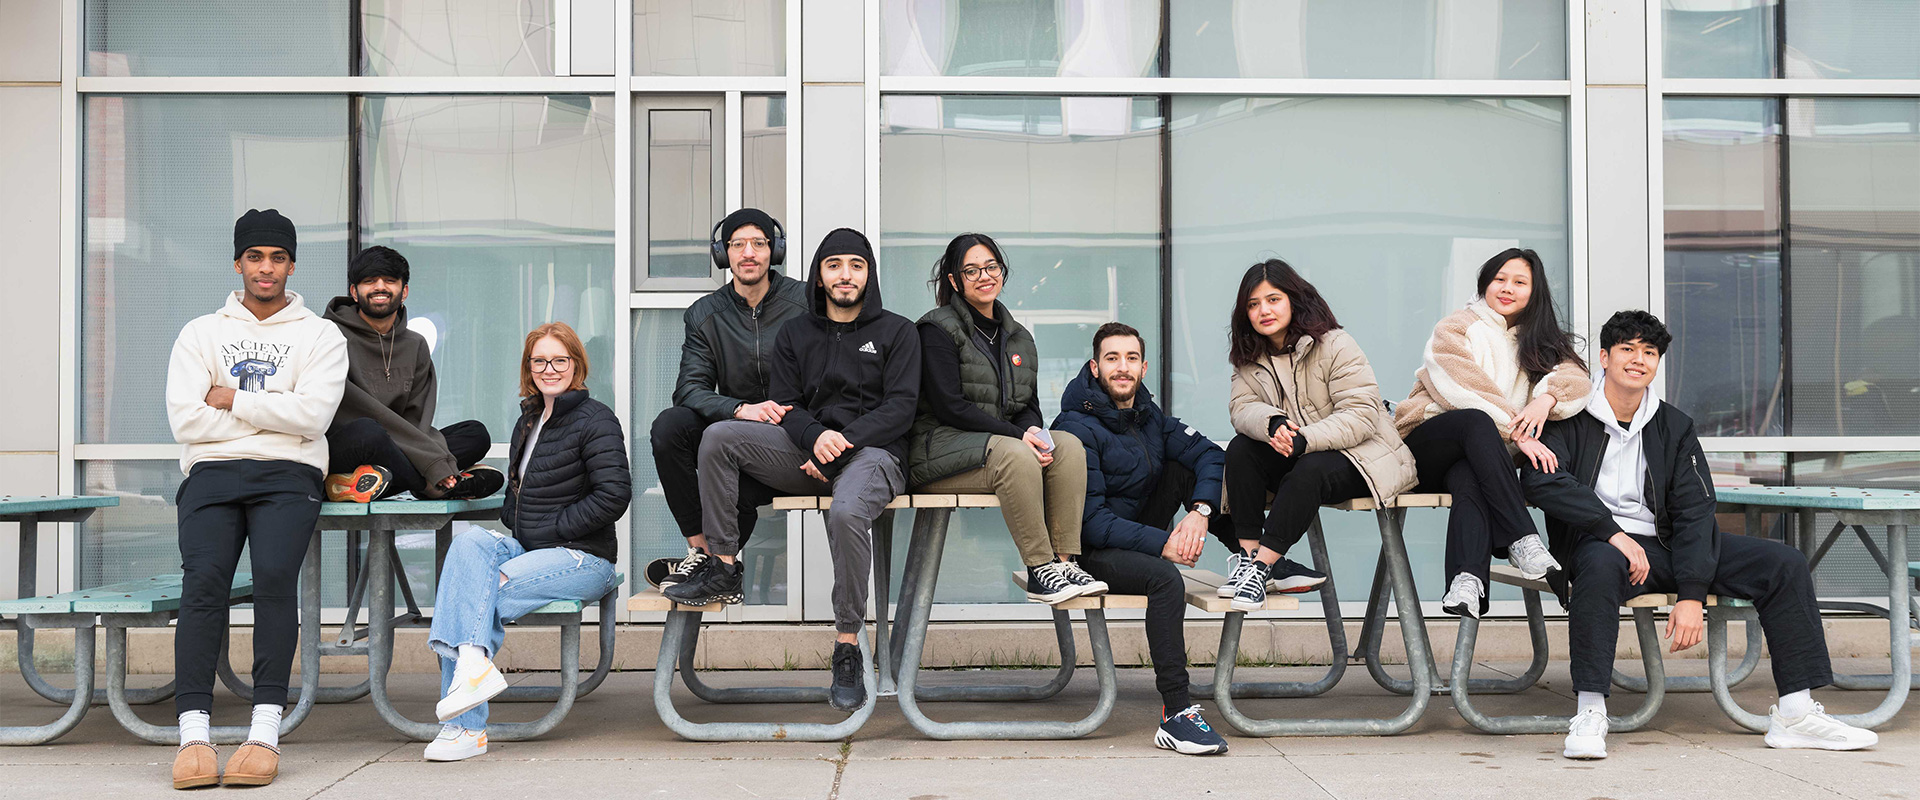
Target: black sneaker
x,y
1291,577
1251,594
665,572
849,691
1186,733
1048,583
478,481
713,581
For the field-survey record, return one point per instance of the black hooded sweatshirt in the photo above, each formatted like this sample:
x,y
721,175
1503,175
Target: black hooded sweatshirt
x,y
861,378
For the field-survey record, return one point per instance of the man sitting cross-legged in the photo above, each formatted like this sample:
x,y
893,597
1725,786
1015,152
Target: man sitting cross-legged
x,y
1630,510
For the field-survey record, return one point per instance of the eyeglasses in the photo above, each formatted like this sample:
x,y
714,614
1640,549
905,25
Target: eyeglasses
x,y
973,274
738,245
561,364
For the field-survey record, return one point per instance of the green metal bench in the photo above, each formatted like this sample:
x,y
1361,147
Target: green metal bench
x,y
23,616
54,612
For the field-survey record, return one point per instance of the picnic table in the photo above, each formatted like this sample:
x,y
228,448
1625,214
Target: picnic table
x,y
28,513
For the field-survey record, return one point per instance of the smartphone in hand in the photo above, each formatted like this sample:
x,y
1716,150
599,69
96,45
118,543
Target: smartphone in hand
x,y
1046,436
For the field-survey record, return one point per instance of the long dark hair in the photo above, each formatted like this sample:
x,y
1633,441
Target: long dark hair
x,y
946,271
1311,314
1543,343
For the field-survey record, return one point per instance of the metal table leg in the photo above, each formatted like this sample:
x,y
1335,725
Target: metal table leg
x,y
29,579
1336,636
1900,681
1698,683
79,698
1554,723
676,645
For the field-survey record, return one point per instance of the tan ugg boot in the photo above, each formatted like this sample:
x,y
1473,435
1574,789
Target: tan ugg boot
x,y
255,764
197,764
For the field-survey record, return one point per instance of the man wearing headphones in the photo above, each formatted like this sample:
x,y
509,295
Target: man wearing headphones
x,y
724,374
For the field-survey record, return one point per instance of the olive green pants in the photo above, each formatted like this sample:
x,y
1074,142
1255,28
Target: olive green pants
x,y
1042,504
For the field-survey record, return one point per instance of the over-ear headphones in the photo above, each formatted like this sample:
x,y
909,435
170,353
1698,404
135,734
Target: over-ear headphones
x,y
776,243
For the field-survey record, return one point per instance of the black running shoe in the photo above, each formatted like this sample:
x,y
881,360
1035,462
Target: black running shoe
x,y
478,481
1292,577
665,572
714,581
849,690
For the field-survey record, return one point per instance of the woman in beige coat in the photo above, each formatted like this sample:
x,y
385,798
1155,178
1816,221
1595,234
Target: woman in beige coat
x,y
1309,428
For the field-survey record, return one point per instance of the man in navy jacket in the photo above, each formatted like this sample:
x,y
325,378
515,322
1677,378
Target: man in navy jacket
x,y
1142,467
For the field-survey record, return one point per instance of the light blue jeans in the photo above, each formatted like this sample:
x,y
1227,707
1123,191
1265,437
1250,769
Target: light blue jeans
x,y
471,604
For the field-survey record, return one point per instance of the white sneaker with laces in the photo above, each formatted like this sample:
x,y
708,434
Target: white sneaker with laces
x,y
456,744
1238,568
1463,596
1818,730
470,689
1530,556
1587,735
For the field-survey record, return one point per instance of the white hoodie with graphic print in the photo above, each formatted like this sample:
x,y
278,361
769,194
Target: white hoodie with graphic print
x,y
288,372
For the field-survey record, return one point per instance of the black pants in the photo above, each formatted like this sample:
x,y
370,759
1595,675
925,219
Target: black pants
x,y
676,459
361,441
224,506
1772,575
1461,453
1300,484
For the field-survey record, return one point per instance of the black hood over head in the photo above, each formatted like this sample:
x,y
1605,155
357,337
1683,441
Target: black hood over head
x,y
842,242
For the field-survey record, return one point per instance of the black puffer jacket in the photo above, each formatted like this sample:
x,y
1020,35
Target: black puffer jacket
x,y
577,484
723,363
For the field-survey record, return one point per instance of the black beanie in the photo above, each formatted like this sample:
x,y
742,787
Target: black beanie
x,y
747,216
844,242
378,262
262,228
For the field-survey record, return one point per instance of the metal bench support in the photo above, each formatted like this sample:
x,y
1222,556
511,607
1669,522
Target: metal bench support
x,y
1463,647
79,698
1336,638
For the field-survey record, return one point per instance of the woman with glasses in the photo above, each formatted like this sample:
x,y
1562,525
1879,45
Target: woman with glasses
x,y
567,485
979,429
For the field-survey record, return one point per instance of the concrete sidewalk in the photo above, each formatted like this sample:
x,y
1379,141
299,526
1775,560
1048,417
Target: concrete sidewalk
x,y
614,746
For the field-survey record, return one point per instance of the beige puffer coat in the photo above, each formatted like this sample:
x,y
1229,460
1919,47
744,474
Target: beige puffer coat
x,y
1328,387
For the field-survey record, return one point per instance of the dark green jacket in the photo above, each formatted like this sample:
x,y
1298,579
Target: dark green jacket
x,y
1004,392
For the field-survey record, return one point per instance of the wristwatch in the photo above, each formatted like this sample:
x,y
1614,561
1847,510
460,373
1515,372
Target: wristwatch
x,y
1202,508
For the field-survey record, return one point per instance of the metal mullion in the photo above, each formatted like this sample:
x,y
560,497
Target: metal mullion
x,y
348,84
706,84
623,244
1784,186
731,144
66,552
1810,444
1809,87
917,84
1578,223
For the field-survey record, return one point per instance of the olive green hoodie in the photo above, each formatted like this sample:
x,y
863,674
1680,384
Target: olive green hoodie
x,y
390,380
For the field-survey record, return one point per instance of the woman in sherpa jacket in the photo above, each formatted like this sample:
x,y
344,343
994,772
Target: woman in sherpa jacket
x,y
1493,373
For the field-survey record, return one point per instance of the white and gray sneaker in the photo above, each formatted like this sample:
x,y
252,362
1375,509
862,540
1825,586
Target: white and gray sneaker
x,y
1818,730
470,688
1587,735
1530,556
456,744
1089,585
1238,568
1463,596
1048,583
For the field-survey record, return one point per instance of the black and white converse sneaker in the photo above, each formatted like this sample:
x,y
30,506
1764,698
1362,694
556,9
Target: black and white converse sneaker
x,y
1048,583
1239,566
1251,593
671,571
1089,585
1292,577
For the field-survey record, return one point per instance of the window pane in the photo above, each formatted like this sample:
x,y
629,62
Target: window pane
x,y
166,176
1389,206
1031,38
1722,158
1336,39
1070,188
680,193
1853,39
696,37
1854,265
1849,569
504,208
657,336
217,37
1719,38
463,37
763,154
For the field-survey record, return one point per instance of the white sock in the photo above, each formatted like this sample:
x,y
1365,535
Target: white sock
x,y
1797,704
1592,700
473,660
266,725
195,726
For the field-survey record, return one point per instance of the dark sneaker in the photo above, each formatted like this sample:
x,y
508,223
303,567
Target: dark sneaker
x,y
714,581
1238,568
478,481
363,485
665,572
849,690
1048,583
1089,585
1291,577
1188,734
1251,593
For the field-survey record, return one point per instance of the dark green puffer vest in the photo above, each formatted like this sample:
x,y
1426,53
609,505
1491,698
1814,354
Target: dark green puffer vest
x,y
938,451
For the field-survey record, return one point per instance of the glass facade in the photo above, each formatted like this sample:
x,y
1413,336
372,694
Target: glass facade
x,y
1498,39
698,37
457,37
1021,38
217,37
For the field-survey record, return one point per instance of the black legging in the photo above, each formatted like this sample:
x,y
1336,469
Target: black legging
x,y
361,441
1461,453
1300,483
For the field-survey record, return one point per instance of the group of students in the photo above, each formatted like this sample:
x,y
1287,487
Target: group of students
x,y
812,387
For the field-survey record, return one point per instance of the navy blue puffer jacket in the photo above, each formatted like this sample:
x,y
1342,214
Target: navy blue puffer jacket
x,y
1126,450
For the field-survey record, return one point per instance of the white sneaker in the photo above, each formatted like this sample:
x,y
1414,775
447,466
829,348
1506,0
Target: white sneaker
x,y
456,744
1463,596
1818,730
470,690
1587,735
1238,568
1530,556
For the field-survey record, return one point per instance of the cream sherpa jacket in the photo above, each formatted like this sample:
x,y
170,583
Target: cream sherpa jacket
x,y
1472,361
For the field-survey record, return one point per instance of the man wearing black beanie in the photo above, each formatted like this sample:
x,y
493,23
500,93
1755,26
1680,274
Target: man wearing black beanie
x,y
724,374
382,440
849,375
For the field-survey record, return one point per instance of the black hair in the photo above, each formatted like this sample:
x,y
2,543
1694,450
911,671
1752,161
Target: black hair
x,y
1626,326
946,271
1544,345
378,261
1311,314
1113,329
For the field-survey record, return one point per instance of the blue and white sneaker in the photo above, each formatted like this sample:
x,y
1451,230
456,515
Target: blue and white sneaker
x,y
1188,734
